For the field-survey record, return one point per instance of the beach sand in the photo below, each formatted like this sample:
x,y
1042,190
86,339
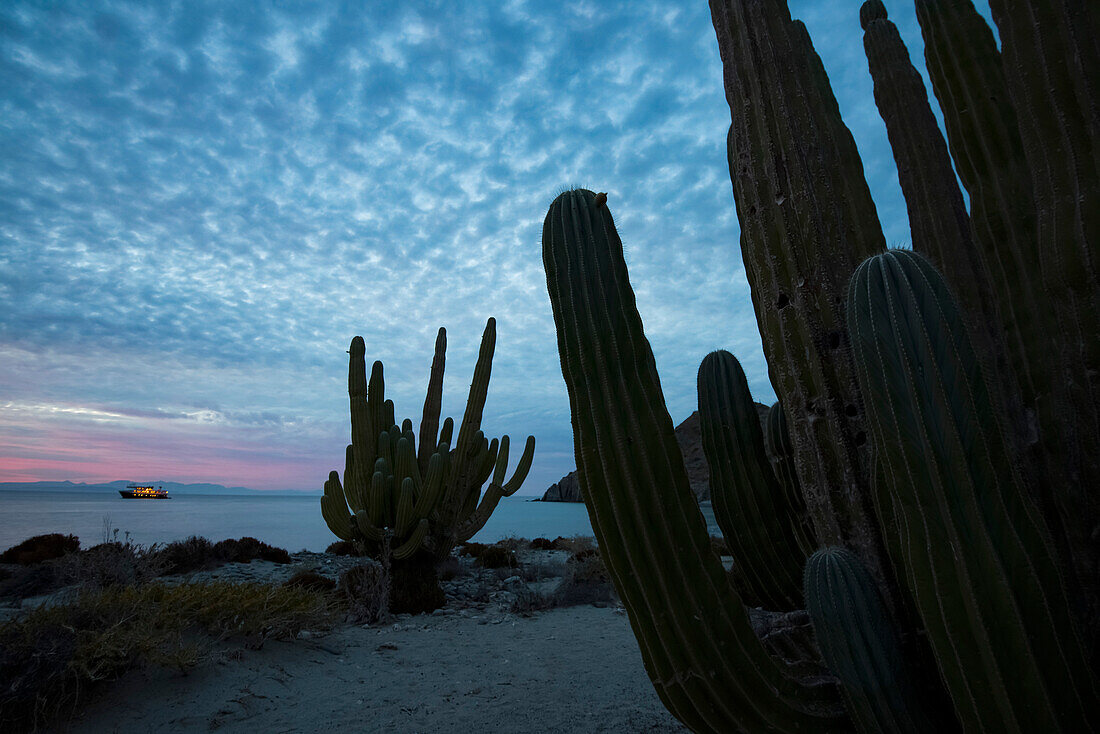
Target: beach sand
x,y
564,670
473,666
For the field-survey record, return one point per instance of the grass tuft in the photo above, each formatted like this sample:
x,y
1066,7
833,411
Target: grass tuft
x,y
54,656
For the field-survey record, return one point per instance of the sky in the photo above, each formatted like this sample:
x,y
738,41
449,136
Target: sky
x,y
201,203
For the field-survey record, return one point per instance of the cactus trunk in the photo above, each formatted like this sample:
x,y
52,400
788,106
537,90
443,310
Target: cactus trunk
x,y
807,219
975,552
699,649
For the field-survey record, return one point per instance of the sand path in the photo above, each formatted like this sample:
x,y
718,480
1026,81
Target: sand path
x,y
564,670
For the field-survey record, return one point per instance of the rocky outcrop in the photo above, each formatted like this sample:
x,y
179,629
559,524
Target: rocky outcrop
x,y
568,489
691,446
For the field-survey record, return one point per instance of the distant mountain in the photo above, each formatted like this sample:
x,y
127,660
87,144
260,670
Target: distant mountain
x,y
172,487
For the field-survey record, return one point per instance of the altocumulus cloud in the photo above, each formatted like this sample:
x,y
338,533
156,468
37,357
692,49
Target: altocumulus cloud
x,y
201,203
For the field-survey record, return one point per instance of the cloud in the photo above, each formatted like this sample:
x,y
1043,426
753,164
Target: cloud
x,y
201,203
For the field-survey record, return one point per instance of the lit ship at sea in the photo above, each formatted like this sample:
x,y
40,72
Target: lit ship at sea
x,y
144,491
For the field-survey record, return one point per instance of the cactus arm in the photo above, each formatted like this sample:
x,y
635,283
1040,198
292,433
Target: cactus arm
x,y
368,529
430,489
376,498
859,643
414,543
699,649
807,219
522,468
937,215
405,504
777,441
747,499
501,468
479,388
334,509
433,402
976,554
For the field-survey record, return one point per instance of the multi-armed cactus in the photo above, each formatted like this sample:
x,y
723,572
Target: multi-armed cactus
x,y
694,633
762,522
1014,125
429,501
385,500
974,549
463,508
859,643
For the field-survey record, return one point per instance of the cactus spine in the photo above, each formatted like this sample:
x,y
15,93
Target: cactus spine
x,y
859,644
749,503
699,649
975,552
807,219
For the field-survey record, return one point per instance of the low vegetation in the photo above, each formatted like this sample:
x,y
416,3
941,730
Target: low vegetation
x,y
54,656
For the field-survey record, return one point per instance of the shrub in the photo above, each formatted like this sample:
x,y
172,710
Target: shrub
x,y
110,564
366,590
51,657
513,543
310,580
41,578
575,544
193,554
473,550
247,549
495,556
343,548
542,544
586,581
41,548
450,568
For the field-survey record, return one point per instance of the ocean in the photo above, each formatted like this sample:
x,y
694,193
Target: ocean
x,y
286,521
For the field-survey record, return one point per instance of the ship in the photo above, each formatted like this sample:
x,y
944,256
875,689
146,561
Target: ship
x,y
144,492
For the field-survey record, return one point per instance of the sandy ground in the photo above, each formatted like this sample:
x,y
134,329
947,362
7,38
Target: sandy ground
x,y
565,670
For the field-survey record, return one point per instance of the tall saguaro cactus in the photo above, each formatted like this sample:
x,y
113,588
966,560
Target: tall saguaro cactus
x,y
974,549
807,219
696,641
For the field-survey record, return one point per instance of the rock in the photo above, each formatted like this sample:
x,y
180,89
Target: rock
x,y
568,489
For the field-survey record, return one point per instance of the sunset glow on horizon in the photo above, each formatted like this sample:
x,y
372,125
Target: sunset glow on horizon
x,y
202,203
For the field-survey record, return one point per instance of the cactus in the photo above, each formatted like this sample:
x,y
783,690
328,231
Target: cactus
x,y
696,641
974,550
807,219
777,443
938,219
429,500
1023,131
859,644
463,508
383,496
749,503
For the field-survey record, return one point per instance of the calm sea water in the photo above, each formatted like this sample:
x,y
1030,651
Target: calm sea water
x,y
291,522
